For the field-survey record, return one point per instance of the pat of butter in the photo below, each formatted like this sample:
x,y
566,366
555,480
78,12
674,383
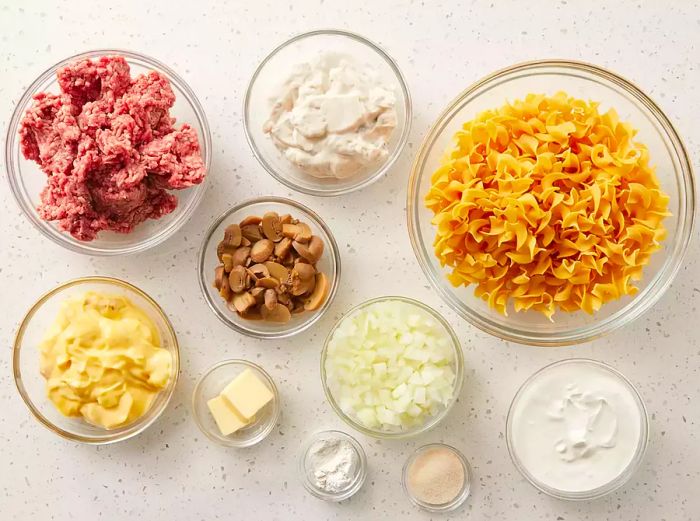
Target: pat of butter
x,y
247,394
227,419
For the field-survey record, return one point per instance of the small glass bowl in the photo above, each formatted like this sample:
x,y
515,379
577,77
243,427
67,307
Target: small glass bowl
x,y
430,422
208,261
614,484
459,499
306,472
277,66
666,152
212,382
27,180
32,385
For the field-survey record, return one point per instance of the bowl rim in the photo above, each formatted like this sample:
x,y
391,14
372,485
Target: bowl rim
x,y
390,161
276,411
360,477
459,499
638,306
434,420
17,186
107,438
629,470
283,332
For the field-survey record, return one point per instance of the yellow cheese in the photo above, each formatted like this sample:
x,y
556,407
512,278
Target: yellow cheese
x,y
247,394
226,416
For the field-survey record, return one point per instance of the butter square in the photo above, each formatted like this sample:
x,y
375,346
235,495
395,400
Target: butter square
x,y
226,417
247,394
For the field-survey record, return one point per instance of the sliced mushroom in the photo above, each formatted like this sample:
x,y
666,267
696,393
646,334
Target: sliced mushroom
x,y
227,259
267,282
304,234
240,256
283,247
304,270
303,250
251,219
259,271
251,232
218,276
238,279
245,242
272,226
279,313
316,246
302,286
285,219
262,250
232,235
222,248
258,295
243,301
319,294
276,270
251,314
270,298
290,231
283,297
225,289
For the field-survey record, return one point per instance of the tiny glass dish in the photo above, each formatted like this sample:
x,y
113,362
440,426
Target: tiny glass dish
x,y
27,180
449,506
457,367
667,154
306,470
278,65
329,263
212,382
32,385
615,483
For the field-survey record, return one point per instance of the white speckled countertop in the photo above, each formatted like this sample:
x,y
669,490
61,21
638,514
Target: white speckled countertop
x,y
172,471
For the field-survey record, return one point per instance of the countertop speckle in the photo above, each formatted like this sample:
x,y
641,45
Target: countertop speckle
x,y
172,471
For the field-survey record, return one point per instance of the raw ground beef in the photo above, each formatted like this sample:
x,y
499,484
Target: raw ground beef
x,y
109,148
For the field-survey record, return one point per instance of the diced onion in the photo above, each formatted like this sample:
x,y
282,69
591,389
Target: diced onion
x,y
390,366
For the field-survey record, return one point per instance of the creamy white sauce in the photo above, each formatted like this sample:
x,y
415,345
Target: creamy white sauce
x,y
333,117
576,426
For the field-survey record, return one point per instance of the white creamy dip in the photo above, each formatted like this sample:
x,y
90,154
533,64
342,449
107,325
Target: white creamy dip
x,y
333,117
575,426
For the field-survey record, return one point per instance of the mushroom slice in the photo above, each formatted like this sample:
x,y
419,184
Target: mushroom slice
x,y
303,250
238,279
279,313
225,289
285,219
251,232
272,226
262,250
319,294
304,234
304,271
259,271
276,270
258,294
243,301
267,282
232,235
227,259
316,246
283,247
240,256
251,219
270,298
218,277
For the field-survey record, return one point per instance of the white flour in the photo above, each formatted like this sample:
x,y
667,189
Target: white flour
x,y
333,463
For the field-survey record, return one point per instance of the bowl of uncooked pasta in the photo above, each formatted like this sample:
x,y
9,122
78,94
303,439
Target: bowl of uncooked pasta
x,y
551,203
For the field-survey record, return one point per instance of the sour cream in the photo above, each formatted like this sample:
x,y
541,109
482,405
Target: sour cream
x,y
576,427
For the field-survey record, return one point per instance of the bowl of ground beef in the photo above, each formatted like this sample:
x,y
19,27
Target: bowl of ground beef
x,y
107,152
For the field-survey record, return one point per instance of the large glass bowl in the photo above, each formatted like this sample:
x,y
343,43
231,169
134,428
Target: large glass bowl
x,y
27,180
329,263
430,422
276,67
667,154
32,385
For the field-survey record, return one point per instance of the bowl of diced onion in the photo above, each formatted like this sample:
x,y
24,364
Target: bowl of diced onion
x,y
392,367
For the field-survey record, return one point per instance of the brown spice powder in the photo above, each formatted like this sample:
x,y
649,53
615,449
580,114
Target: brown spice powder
x,y
436,476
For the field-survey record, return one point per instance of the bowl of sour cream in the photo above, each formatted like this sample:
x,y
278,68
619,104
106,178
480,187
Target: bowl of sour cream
x,y
327,112
577,429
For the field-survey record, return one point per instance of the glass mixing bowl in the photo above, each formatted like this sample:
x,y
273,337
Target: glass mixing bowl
x,y
32,385
27,180
277,66
457,367
329,264
667,154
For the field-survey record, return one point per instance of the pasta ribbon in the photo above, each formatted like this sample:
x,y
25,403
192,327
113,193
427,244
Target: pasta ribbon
x,y
547,204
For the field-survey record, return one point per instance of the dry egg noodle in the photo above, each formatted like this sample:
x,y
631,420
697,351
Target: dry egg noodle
x,y
547,203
